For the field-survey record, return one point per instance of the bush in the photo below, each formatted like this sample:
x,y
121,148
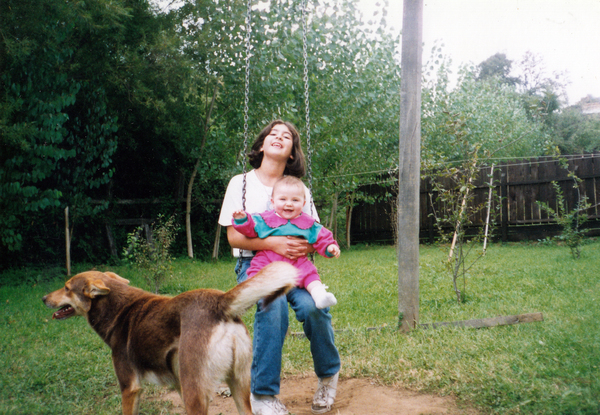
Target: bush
x,y
152,253
572,234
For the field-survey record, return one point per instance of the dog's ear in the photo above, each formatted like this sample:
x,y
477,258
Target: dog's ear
x,y
116,277
96,288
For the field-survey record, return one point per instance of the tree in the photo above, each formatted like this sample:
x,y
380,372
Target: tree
x,y
104,103
55,128
576,133
454,185
542,95
491,118
214,51
355,107
73,74
465,129
571,222
497,66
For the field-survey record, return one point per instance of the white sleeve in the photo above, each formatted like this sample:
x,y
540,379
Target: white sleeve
x,y
232,200
309,207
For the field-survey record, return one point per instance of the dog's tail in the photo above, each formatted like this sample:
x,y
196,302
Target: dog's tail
x,y
272,281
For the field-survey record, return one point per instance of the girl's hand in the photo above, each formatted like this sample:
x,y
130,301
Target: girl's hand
x,y
334,250
239,214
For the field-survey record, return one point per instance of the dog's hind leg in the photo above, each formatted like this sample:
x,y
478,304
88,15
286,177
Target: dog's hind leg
x,y
239,373
196,388
195,366
240,390
196,401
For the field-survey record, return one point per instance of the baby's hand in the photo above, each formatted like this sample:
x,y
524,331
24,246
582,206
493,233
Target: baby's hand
x,y
239,214
334,250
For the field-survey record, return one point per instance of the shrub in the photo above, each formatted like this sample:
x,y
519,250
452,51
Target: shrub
x,y
570,222
152,253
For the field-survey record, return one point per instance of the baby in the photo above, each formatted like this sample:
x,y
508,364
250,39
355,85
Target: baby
x,y
287,219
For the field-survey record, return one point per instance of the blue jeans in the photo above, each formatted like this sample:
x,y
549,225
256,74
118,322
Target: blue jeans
x,y
270,328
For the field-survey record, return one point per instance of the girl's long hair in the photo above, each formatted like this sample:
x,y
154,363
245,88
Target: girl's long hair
x,y
295,165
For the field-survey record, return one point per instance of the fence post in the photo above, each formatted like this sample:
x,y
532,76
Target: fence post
x,y
430,219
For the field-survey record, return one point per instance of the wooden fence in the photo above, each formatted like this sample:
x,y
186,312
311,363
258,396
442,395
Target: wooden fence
x,y
520,183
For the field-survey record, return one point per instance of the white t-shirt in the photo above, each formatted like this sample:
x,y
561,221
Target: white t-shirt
x,y
258,200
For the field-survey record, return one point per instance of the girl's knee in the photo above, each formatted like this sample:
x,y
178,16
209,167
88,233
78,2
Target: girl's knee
x,y
314,314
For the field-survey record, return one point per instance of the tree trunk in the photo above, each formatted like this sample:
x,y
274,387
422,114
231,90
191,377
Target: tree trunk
x,y
215,254
68,242
188,201
349,209
489,209
188,211
460,220
111,241
348,224
333,219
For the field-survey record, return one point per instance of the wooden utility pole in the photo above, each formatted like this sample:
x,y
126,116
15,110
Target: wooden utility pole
x,y
410,165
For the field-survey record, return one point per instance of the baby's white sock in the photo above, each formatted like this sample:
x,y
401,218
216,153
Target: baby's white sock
x,y
323,299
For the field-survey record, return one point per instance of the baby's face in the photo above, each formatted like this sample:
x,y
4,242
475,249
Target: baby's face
x,y
288,201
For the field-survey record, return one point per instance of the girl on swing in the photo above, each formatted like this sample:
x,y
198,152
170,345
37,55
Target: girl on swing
x,y
275,153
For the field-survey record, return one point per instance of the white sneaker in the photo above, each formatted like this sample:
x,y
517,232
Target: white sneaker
x,y
267,405
325,395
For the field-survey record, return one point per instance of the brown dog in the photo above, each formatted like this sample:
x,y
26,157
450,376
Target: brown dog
x,y
191,342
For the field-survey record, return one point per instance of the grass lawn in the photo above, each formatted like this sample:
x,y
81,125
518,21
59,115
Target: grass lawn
x,y
549,367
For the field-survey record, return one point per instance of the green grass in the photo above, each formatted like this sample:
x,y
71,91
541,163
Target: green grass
x,y
549,367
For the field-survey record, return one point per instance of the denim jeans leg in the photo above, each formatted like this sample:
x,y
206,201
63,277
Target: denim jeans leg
x,y
241,269
318,330
270,328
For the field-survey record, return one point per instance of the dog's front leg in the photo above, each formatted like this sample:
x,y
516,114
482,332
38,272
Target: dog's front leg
x,y
131,400
130,386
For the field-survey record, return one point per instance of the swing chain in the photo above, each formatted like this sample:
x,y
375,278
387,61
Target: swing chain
x,y
306,98
246,96
307,103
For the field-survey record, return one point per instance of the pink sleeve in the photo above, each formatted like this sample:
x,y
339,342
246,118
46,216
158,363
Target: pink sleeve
x,y
246,228
324,239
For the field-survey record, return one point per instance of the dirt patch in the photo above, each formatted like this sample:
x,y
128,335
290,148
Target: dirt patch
x,y
354,397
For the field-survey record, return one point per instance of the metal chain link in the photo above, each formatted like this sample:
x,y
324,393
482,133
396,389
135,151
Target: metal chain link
x,y
307,105
307,113
246,97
